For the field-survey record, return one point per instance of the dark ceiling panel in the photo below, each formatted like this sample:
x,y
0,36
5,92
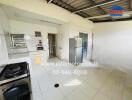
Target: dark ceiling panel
x,y
101,19
94,12
110,20
78,4
123,3
94,2
75,5
67,6
130,4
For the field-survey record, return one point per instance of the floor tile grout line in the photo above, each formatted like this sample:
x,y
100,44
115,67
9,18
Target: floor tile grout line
x,y
124,87
102,86
96,88
108,76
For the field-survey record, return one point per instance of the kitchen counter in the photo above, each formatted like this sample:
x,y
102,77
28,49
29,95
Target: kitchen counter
x,y
25,57
16,58
18,55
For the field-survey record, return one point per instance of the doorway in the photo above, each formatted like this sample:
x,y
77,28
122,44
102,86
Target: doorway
x,y
52,45
84,45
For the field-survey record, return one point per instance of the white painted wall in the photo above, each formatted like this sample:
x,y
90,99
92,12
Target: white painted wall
x,y
29,28
4,21
113,44
4,27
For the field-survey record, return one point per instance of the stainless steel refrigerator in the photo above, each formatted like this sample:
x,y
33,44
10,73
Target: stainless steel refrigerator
x,y
75,50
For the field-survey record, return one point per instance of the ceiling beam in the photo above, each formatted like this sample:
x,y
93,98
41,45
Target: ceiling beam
x,y
69,7
116,20
107,15
101,16
130,4
102,10
63,5
98,5
49,1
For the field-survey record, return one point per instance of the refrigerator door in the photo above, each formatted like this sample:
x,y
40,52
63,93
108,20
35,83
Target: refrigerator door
x,y
75,50
72,50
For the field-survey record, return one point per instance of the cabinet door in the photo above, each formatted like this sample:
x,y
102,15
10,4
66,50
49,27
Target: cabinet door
x,y
3,50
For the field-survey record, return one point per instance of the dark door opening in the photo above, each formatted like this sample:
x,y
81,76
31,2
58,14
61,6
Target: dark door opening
x,y
52,45
84,45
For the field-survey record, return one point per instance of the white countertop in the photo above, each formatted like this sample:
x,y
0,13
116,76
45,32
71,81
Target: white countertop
x,y
15,59
20,57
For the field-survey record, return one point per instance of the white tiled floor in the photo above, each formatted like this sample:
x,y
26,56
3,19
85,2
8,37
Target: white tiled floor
x,y
95,84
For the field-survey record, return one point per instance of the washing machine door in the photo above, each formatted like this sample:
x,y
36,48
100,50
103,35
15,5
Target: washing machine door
x,y
17,92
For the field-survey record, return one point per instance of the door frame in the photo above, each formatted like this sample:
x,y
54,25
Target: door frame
x,y
54,45
82,45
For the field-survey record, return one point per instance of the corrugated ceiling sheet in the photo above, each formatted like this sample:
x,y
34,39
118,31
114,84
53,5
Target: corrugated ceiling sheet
x,y
78,4
101,19
74,5
123,3
94,12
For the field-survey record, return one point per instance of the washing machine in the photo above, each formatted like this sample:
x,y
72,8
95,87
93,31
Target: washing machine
x,y
15,82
